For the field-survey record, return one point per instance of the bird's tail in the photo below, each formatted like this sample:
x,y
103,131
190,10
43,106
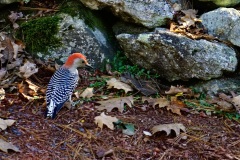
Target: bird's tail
x,y
51,109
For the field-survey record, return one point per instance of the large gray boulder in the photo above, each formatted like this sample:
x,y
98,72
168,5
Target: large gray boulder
x,y
223,23
175,57
149,13
77,36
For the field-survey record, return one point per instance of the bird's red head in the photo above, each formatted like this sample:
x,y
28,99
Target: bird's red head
x,y
73,56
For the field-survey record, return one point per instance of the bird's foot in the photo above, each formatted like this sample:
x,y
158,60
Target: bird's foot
x,y
71,105
75,103
68,105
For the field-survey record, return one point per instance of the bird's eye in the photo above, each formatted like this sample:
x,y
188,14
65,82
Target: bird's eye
x,y
83,62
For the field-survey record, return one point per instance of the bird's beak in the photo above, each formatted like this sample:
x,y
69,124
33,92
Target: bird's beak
x,y
89,67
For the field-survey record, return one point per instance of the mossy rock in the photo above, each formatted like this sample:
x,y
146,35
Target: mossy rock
x,y
74,28
40,34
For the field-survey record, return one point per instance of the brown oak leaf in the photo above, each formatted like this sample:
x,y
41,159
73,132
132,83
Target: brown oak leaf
x,y
115,103
104,119
113,82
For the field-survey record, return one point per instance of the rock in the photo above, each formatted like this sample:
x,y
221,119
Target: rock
x,y
9,1
223,3
124,27
204,6
175,57
4,3
215,86
74,28
77,36
149,13
223,23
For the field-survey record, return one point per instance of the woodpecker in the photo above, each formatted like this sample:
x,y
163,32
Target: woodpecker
x,y
63,82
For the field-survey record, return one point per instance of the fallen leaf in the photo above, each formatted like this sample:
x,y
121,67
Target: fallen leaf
x,y
177,127
9,51
4,146
146,87
27,97
32,86
14,16
150,100
178,89
3,72
174,109
15,49
189,19
225,106
115,103
15,26
87,93
14,64
5,123
24,90
161,102
2,94
176,106
28,69
236,102
21,87
104,119
225,97
113,82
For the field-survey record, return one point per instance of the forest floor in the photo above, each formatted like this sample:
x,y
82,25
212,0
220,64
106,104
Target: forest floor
x,y
75,135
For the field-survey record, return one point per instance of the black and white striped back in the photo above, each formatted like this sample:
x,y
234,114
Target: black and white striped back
x,y
59,90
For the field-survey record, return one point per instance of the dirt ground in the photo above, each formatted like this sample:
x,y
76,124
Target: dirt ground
x,y
74,135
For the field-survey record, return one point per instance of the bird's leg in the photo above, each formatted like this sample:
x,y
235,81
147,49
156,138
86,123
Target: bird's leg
x,y
69,103
73,104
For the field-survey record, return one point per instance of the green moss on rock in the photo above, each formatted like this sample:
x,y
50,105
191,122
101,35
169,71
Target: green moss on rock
x,y
40,34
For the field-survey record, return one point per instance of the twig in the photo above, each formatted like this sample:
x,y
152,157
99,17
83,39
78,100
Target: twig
x,y
234,143
229,128
80,156
28,103
164,153
78,132
41,9
79,147
4,28
90,147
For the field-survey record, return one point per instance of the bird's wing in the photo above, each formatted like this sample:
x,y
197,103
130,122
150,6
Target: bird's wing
x,y
61,87
59,90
